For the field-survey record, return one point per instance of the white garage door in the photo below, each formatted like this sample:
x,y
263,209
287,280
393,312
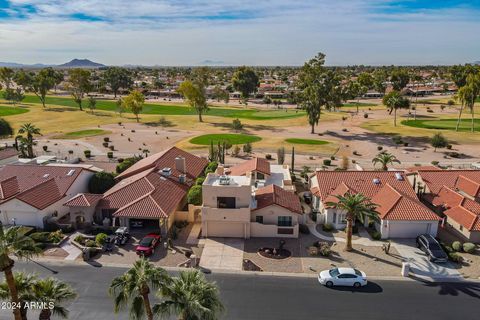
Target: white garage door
x,y
225,229
409,229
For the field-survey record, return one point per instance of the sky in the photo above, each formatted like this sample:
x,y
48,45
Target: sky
x,y
240,32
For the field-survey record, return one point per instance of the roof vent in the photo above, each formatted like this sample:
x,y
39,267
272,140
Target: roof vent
x,y
71,172
182,178
399,176
46,175
166,172
376,181
224,180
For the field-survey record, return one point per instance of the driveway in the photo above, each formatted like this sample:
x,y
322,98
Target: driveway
x,y
419,263
223,253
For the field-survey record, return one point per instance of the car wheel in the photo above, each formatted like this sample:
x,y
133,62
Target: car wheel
x,y
329,284
357,285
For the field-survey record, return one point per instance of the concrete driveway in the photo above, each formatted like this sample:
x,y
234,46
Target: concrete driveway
x,y
223,253
419,263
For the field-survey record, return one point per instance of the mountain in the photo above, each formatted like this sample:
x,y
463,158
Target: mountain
x,y
81,63
477,63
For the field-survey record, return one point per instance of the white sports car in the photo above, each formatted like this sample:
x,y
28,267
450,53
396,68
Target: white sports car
x,y
343,277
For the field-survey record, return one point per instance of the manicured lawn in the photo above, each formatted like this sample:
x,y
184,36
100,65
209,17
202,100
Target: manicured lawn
x,y
83,133
153,108
306,141
443,124
232,138
10,111
361,104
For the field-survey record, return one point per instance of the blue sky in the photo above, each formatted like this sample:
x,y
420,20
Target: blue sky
x,y
235,32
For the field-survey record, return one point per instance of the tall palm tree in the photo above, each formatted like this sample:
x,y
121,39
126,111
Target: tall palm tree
x,y
24,283
355,206
14,242
385,158
393,101
134,287
52,293
190,297
31,130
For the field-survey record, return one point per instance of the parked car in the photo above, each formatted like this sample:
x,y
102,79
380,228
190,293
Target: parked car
x,y
147,245
432,248
349,277
307,197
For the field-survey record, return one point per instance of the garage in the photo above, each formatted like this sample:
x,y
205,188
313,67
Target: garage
x,y
225,229
408,229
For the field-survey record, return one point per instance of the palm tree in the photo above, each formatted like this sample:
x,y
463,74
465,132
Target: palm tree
x,y
30,130
52,293
190,297
14,242
134,287
385,158
355,206
393,101
467,95
24,283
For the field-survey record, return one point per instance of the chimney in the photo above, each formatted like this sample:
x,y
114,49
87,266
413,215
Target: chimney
x,y
180,164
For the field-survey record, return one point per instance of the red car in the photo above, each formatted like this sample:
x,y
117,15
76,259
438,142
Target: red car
x,y
147,245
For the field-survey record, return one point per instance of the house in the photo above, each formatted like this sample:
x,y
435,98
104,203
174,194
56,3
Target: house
x,y
401,214
255,199
151,193
455,196
31,193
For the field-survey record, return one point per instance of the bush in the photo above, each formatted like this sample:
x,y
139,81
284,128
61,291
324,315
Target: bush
x,y
376,235
327,227
324,248
455,257
194,195
79,239
379,148
110,155
105,144
332,158
247,148
87,153
101,182
106,139
211,167
237,125
199,181
112,147
5,128
268,156
56,236
327,162
365,115
469,247
449,146
42,237
434,162
90,243
101,238
126,163
45,148
457,246
303,229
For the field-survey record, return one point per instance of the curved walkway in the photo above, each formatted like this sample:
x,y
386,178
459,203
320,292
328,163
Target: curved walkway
x,y
364,241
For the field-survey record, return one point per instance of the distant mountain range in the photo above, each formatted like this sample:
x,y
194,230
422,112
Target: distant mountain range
x,y
75,63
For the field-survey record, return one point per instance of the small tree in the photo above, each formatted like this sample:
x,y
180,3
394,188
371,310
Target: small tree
x,y
5,128
236,150
394,101
194,195
92,103
292,166
247,148
281,155
101,182
438,141
134,102
237,125
385,158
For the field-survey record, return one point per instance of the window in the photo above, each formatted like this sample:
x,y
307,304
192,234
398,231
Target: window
x,y
347,276
260,176
226,202
341,218
461,228
284,221
259,219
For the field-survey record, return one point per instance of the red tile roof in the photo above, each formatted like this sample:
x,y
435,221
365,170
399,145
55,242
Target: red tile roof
x,y
395,197
194,165
38,186
435,179
84,200
468,186
255,164
275,195
9,152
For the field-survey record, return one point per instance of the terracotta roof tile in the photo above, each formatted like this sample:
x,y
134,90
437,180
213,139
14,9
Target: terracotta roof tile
x,y
9,187
435,179
84,200
275,195
468,186
255,164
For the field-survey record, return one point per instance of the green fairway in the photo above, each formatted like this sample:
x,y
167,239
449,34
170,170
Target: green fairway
x,y
83,134
216,138
152,108
443,124
10,111
305,141
360,104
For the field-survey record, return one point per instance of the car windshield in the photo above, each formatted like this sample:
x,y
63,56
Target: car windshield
x,y
146,242
334,272
358,272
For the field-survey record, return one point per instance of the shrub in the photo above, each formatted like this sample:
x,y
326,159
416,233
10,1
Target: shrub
x,y
126,163
56,236
79,239
332,158
455,257
327,162
268,156
105,144
211,167
469,247
236,151
110,154
324,248
5,128
42,237
101,238
376,235
87,153
112,148
199,181
449,146
101,182
194,195
70,151
327,227
45,148
247,148
457,246
434,162
438,141
106,139
365,115
405,144
379,148
303,229
90,243
237,125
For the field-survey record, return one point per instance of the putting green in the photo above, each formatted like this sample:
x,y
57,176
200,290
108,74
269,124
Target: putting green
x,y
443,124
82,134
207,139
305,141
10,111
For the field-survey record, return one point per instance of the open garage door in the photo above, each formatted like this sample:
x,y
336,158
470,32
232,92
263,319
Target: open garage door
x,y
226,229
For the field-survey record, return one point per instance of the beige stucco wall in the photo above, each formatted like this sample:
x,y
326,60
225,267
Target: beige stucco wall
x,y
270,231
454,226
271,213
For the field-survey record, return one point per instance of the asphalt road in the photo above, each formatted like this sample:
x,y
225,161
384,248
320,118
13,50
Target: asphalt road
x,y
267,297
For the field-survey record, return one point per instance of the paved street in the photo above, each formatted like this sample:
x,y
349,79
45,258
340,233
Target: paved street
x,y
266,297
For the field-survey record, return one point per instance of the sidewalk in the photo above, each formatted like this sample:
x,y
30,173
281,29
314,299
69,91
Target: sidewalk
x,y
365,239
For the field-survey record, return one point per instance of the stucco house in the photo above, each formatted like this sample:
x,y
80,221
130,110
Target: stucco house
x,y
401,214
30,193
151,193
454,195
250,200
